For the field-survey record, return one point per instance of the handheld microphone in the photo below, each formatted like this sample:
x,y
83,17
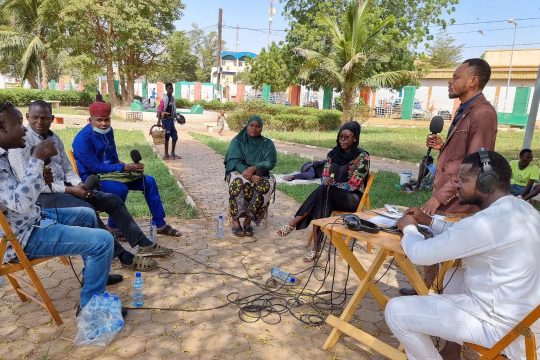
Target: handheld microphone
x,y
46,164
435,127
136,156
91,182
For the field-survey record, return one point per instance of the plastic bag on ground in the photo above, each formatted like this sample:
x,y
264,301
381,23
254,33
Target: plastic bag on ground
x,y
99,321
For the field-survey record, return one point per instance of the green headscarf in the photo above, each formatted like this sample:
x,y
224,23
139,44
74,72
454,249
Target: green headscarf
x,y
245,151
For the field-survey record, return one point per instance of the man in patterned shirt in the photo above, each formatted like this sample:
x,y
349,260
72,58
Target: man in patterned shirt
x,y
68,191
43,232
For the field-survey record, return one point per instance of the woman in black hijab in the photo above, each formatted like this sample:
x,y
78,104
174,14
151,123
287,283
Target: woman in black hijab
x,y
343,181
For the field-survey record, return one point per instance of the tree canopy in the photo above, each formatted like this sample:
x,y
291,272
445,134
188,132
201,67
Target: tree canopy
x,y
269,68
443,52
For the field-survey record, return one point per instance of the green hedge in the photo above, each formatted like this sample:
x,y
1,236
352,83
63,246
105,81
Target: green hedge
x,y
23,97
207,105
285,118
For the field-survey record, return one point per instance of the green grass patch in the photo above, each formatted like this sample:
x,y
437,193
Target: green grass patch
x,y
399,143
285,163
173,198
382,192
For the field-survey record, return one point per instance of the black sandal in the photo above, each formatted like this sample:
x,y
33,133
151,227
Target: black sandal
x,y
169,231
237,231
248,231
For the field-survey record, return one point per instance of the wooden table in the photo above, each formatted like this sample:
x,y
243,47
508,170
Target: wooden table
x,y
387,245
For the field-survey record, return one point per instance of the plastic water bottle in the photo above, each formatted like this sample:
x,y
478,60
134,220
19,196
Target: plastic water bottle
x,y
138,284
153,233
282,275
1,281
220,230
116,311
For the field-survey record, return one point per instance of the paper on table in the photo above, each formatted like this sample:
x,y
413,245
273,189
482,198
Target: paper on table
x,y
384,221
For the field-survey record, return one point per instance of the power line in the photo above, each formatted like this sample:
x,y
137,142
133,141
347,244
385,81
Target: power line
x,y
486,46
497,29
488,22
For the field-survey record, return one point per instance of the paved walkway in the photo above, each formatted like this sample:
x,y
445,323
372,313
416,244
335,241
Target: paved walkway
x,y
28,333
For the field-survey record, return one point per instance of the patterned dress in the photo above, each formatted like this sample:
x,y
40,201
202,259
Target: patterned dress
x,y
249,199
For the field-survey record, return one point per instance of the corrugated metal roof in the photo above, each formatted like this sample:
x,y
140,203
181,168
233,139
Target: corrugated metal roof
x,y
521,73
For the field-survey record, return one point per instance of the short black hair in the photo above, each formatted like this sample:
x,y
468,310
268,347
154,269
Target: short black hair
x,y
480,68
525,151
41,103
167,85
499,165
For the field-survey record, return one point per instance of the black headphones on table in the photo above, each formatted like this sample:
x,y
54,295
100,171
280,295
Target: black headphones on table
x,y
487,179
353,222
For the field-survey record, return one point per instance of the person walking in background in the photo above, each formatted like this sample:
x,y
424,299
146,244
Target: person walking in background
x,y
221,122
166,112
474,126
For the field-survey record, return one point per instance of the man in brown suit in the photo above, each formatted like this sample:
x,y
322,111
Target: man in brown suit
x,y
474,126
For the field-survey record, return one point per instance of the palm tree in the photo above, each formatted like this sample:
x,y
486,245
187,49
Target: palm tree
x,y
27,36
356,47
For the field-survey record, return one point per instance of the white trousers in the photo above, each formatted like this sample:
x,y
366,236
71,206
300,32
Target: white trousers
x,y
413,319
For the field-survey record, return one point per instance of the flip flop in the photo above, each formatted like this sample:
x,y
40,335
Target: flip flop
x,y
285,230
175,157
237,231
169,231
166,157
248,230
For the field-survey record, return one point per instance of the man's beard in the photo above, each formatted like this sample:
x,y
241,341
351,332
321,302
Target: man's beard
x,y
453,96
469,201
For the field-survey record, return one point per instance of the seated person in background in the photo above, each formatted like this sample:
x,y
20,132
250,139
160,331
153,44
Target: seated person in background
x,y
343,180
248,162
95,153
69,191
524,175
308,171
46,232
427,178
499,282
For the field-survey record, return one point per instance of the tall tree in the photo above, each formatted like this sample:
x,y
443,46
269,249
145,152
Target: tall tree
x,y
27,35
356,45
412,26
205,47
444,52
122,36
176,62
269,68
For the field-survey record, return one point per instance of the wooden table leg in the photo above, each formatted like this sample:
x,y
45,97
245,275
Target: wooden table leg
x,y
365,285
410,271
356,267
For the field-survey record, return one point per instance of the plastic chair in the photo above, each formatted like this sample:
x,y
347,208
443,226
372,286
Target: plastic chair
x,y
26,265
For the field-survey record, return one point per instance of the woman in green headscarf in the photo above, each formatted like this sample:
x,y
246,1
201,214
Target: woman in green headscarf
x,y
247,170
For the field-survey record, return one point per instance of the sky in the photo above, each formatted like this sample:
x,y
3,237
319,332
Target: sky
x,y
487,16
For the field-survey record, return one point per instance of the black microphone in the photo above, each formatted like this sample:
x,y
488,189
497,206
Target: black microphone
x,y
435,127
91,182
135,156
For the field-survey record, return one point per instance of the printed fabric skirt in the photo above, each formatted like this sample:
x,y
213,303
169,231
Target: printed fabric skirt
x,y
249,199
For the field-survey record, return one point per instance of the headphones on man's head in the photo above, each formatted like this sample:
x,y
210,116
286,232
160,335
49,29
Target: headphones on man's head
x,y
487,179
353,222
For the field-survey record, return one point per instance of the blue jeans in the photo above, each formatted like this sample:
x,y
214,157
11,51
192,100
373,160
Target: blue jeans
x,y
516,189
148,186
75,233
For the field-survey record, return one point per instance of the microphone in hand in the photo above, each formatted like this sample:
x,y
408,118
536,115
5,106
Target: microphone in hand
x,y
435,127
333,171
135,156
91,182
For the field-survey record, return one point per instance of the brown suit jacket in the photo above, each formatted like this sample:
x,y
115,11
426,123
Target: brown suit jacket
x,y
477,128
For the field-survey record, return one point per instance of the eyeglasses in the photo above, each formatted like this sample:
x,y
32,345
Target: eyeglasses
x,y
346,137
6,105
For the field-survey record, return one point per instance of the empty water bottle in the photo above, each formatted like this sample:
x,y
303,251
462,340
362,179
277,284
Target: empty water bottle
x,y
220,230
153,233
138,284
116,312
282,275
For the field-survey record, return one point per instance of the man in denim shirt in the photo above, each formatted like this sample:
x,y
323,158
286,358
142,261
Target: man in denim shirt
x,y
45,233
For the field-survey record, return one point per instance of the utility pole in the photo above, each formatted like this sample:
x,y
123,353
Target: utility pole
x,y
529,130
271,12
220,28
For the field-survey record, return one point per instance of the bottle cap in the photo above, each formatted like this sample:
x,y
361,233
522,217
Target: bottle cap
x,y
220,216
138,274
292,280
106,295
116,298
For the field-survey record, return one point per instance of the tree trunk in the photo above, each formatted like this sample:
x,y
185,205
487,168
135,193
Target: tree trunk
x,y
348,96
110,84
130,88
122,77
44,72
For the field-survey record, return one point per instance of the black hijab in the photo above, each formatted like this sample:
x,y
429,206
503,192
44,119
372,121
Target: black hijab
x,y
340,157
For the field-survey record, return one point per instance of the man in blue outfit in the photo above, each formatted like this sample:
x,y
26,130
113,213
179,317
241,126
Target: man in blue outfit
x,y
46,232
95,153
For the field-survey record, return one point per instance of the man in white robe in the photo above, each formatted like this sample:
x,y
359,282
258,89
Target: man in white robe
x,y
499,282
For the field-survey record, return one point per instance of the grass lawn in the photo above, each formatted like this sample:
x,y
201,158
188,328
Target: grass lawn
x,y
285,163
400,143
170,193
383,190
